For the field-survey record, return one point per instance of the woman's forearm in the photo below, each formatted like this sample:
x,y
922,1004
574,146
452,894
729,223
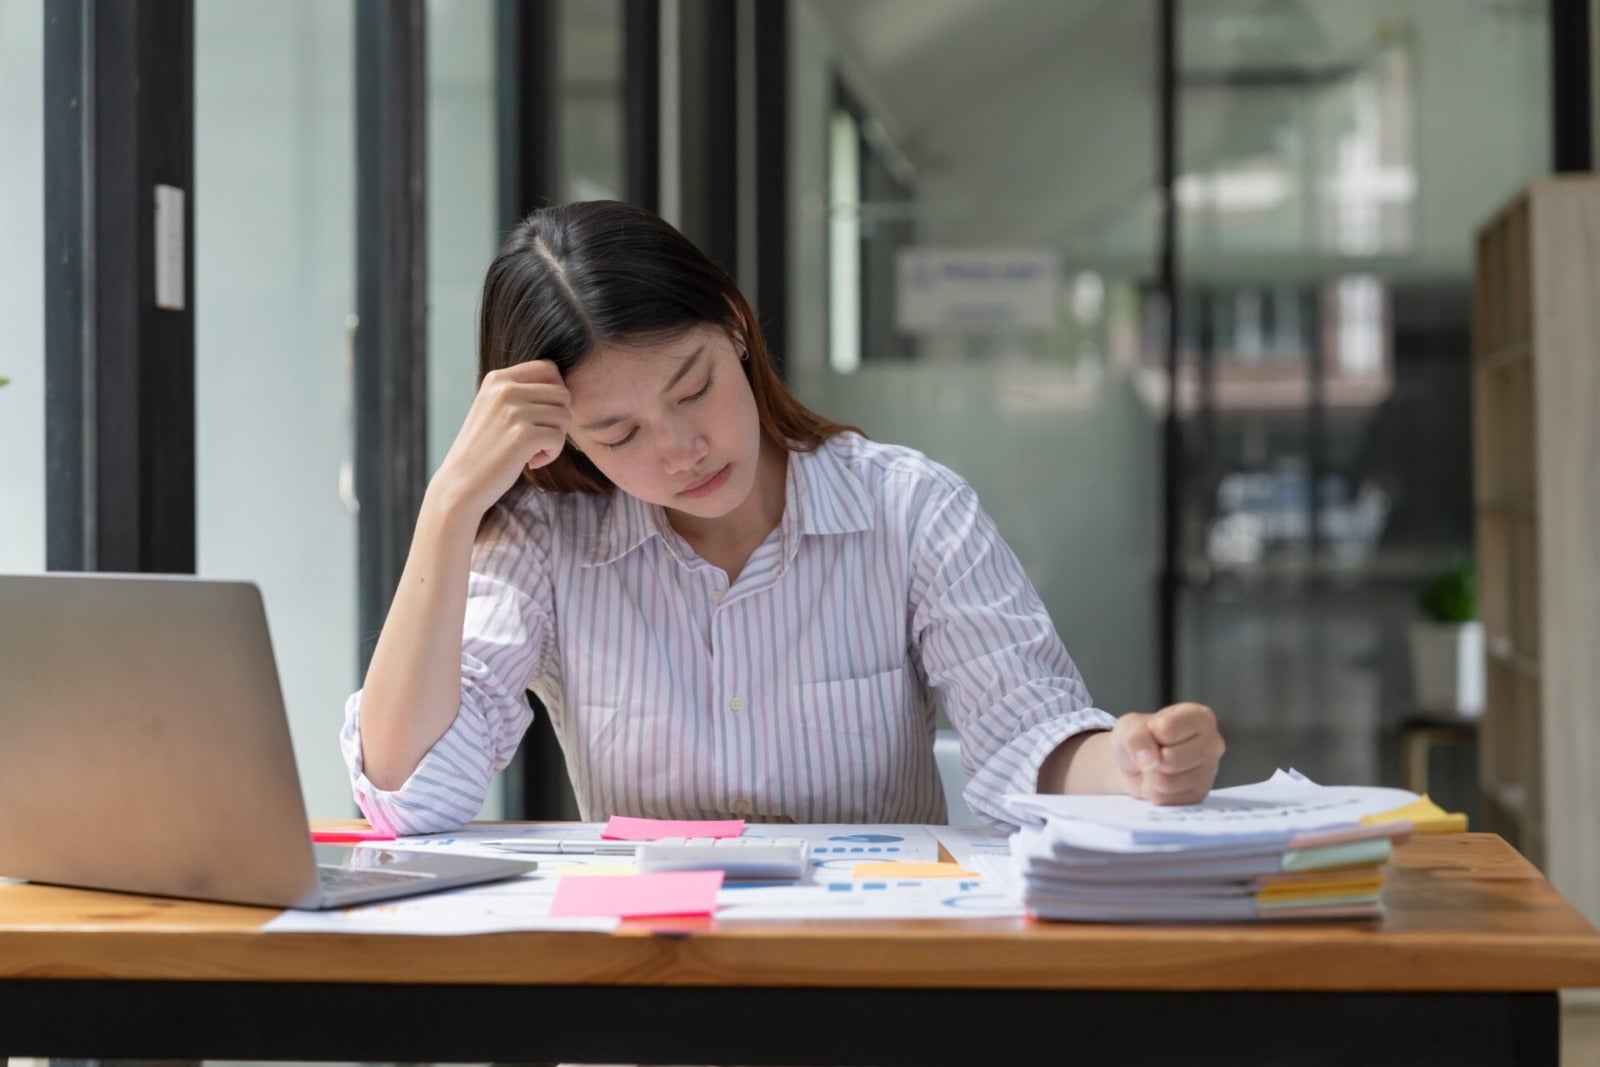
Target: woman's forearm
x,y
413,685
1081,764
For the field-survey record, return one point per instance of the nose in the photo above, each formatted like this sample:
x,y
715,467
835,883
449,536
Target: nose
x,y
683,446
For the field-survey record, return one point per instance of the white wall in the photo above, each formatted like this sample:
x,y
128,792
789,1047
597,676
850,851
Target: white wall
x,y
22,518
274,282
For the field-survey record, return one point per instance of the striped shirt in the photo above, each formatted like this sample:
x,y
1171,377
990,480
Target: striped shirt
x,y
805,691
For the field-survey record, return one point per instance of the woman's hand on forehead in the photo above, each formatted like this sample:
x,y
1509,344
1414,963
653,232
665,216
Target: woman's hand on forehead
x,y
518,420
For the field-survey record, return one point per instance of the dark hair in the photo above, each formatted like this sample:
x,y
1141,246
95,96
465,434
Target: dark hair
x,y
577,276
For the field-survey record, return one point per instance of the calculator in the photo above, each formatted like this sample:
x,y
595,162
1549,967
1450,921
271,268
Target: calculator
x,y
775,858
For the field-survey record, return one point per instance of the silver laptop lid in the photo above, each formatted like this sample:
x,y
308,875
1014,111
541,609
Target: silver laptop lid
x,y
143,741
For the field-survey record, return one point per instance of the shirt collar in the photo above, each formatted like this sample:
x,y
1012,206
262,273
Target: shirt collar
x,y
822,496
625,523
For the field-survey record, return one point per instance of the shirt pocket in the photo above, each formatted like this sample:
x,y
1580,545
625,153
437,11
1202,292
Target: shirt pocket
x,y
852,739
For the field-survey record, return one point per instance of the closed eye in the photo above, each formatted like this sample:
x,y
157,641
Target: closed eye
x,y
702,391
696,395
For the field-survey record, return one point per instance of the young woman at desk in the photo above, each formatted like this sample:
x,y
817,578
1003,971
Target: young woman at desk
x,y
728,604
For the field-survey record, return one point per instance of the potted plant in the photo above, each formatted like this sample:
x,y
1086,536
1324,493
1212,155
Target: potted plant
x,y
1447,646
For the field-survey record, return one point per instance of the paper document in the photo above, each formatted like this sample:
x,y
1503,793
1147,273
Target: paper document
x,y
515,904
1285,848
964,843
891,869
838,846
1264,811
834,897
830,891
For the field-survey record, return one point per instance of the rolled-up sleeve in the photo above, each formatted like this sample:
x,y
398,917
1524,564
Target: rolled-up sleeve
x,y
506,639
988,648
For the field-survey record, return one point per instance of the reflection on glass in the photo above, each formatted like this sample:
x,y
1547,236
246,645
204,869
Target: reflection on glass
x,y
1367,195
1298,131
973,184
1336,160
844,248
589,99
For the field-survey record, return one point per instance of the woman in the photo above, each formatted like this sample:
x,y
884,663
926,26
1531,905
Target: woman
x,y
728,604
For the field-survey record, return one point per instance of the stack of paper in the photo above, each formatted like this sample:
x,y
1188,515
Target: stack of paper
x,y
1285,848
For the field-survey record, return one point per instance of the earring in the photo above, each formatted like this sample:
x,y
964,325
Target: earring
x,y
744,355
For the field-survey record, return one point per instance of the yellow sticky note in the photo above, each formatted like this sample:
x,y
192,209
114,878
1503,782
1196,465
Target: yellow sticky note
x,y
589,868
1425,817
891,869
1327,887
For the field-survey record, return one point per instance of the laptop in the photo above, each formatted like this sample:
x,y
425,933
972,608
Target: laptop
x,y
144,748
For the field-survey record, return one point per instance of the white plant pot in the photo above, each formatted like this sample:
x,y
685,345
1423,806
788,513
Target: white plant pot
x,y
1447,667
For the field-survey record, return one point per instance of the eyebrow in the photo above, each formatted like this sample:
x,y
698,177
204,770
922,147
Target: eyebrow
x,y
677,376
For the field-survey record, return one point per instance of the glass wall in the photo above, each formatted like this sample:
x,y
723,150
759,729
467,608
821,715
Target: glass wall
x,y
275,296
975,275
973,226
1335,162
463,230
22,470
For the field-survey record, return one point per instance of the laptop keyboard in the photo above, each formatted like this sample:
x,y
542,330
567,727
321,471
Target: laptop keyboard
x,y
335,878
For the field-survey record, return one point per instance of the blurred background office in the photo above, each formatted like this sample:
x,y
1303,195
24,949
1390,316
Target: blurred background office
x,y
961,221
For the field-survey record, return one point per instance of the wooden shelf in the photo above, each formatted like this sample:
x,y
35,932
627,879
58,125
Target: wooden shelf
x,y
1522,508
1524,665
1536,462
1504,357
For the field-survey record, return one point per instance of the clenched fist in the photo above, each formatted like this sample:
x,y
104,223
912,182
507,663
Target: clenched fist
x,y
1170,757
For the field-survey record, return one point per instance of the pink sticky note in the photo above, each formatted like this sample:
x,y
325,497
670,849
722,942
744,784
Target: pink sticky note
x,y
324,836
628,896
623,828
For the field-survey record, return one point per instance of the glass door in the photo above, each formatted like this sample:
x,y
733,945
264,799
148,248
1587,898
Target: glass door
x,y
975,227
1335,162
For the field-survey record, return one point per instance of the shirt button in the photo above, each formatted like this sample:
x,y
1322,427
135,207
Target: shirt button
x,y
741,806
716,596
737,703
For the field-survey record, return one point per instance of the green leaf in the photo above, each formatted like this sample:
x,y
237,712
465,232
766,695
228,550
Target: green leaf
x,y
1452,596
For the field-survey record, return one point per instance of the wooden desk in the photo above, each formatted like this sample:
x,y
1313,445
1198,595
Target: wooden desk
x,y
1463,969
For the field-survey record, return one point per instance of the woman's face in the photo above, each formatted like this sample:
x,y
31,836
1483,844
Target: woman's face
x,y
673,424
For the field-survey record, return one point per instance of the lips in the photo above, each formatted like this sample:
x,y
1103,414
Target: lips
x,y
709,484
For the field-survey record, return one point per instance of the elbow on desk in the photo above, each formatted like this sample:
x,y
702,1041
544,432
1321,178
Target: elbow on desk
x,y
383,769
